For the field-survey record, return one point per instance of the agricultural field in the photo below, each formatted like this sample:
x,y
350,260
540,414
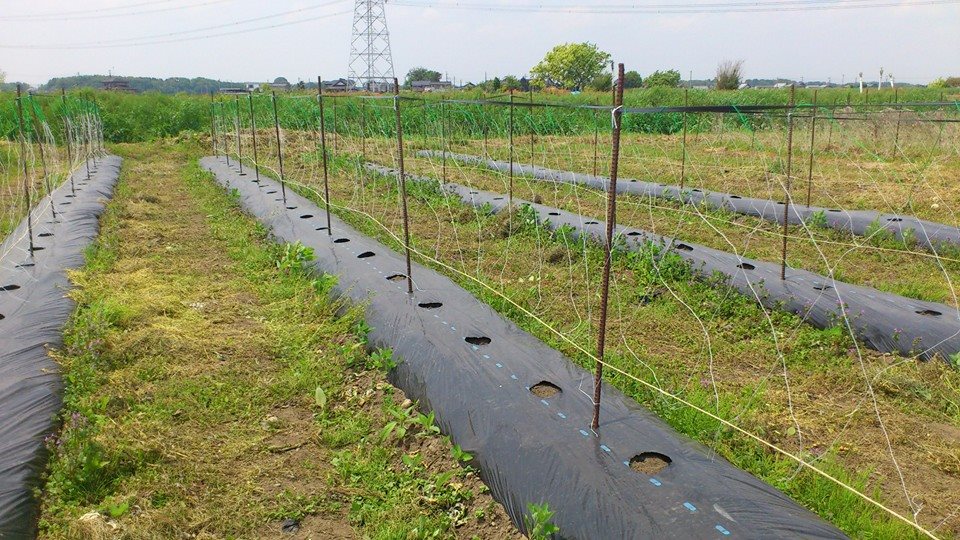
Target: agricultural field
x,y
815,392
195,331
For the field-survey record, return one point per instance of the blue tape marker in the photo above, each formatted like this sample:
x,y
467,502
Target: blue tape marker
x,y
514,377
722,530
561,415
584,433
544,402
605,448
656,482
487,356
453,327
475,347
499,365
690,507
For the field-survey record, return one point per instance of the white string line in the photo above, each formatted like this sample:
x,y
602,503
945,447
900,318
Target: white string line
x,y
661,391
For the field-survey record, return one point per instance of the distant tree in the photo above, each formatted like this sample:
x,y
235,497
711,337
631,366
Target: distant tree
x,y
632,79
942,82
670,78
281,80
301,85
421,74
525,84
509,83
571,65
729,74
601,83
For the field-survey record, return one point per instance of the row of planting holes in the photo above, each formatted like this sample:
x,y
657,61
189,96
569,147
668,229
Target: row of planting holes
x,y
649,463
46,234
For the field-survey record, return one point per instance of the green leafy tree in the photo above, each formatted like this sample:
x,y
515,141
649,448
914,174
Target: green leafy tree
x,y
510,83
421,74
496,84
632,79
571,65
281,80
670,78
601,83
729,73
942,82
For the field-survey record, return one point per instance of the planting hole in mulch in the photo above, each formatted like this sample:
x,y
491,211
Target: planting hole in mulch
x,y
430,305
498,198
341,240
929,312
545,389
396,277
650,463
37,248
684,247
591,223
306,216
321,228
821,286
26,265
271,192
365,255
9,287
894,219
746,266
735,197
291,208
634,233
45,234
553,213
477,340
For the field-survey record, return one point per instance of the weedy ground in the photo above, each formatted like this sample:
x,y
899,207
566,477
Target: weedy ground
x,y
213,391
793,385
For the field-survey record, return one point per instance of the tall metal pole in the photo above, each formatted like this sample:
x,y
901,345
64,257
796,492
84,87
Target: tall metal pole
x,y
276,127
813,134
443,141
236,103
213,126
26,171
223,130
510,195
403,182
608,246
323,151
786,202
683,157
253,133
68,134
896,136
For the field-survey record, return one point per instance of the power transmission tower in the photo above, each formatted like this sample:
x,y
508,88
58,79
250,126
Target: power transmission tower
x,y
371,62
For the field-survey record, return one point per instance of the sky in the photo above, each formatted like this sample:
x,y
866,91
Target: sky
x,y
41,39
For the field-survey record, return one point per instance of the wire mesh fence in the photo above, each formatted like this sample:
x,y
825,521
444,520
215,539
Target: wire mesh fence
x,y
863,431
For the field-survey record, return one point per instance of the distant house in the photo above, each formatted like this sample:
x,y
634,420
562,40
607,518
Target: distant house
x,y
339,85
431,86
379,87
468,86
254,87
118,85
233,90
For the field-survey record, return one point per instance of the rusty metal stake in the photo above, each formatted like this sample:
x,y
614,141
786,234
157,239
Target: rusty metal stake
x,y
813,134
443,140
363,133
896,136
253,132
236,103
223,130
213,126
403,183
323,151
276,127
683,158
786,203
608,246
26,171
510,193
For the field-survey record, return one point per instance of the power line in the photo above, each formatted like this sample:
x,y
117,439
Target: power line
x,y
105,12
695,8
159,39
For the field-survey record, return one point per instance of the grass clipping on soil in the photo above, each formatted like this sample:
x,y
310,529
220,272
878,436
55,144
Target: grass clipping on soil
x,y
212,392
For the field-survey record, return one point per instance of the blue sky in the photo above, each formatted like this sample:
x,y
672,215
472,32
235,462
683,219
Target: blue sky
x,y
915,43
